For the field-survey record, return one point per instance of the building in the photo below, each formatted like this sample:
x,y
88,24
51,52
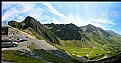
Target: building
x,y
4,29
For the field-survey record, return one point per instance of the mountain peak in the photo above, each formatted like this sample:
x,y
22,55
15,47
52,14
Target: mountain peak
x,y
90,25
89,28
29,17
30,21
113,33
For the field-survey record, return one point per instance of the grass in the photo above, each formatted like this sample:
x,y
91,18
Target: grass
x,y
15,56
73,47
114,49
78,48
92,52
75,43
50,57
33,46
32,33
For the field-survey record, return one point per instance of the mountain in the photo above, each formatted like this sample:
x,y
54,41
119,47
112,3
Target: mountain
x,y
36,28
88,32
88,36
114,33
85,33
65,31
97,34
73,39
94,30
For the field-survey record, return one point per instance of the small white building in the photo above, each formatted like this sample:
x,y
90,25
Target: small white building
x,y
4,29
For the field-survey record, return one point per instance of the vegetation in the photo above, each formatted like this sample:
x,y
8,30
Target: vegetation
x,y
51,57
15,56
14,24
33,46
78,41
47,56
71,47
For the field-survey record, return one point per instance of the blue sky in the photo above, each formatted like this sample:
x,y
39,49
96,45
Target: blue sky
x,y
106,15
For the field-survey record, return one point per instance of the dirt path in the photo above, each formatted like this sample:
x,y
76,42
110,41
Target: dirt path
x,y
43,44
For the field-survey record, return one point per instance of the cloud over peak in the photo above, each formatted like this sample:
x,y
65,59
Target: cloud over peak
x,y
104,15
53,10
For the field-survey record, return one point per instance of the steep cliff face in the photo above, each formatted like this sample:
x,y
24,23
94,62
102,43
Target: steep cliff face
x,y
65,31
36,28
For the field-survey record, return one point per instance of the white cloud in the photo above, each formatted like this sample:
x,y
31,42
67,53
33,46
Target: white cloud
x,y
60,5
80,21
120,33
27,6
18,11
10,14
20,18
36,13
56,21
53,10
103,21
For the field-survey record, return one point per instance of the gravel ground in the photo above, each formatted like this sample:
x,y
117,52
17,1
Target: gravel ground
x,y
41,43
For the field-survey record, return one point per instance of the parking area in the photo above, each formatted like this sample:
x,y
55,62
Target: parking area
x,y
22,45
15,36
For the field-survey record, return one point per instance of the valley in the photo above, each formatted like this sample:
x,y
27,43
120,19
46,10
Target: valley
x,y
91,53
66,43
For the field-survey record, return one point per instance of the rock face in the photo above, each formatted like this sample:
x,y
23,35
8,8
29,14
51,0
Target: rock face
x,y
65,31
72,32
36,28
113,33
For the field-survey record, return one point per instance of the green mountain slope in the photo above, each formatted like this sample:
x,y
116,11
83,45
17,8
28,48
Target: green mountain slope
x,y
74,39
89,33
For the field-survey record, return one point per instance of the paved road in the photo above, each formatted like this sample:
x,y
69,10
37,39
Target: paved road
x,y
41,43
14,34
21,45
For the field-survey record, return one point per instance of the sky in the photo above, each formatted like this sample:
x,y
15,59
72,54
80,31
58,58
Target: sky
x,y
106,15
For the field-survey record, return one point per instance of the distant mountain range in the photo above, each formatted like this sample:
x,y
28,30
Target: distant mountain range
x,y
88,33
113,33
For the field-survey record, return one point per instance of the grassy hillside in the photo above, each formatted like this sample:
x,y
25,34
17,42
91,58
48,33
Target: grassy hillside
x,y
15,56
50,57
73,47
